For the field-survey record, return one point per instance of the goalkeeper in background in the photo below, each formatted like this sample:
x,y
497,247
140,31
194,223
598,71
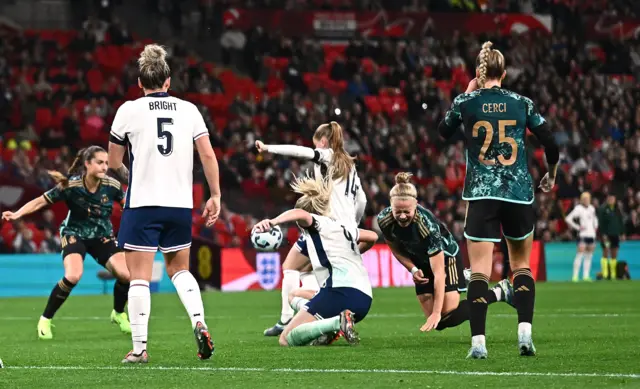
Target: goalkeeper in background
x,y
611,226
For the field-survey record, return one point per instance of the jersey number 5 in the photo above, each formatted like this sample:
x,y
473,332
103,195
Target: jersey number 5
x,y
502,138
166,135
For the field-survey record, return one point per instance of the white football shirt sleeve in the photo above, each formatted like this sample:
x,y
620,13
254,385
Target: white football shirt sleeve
x,y
199,128
323,156
119,127
570,219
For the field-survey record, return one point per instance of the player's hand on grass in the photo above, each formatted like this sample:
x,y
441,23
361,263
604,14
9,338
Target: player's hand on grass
x,y
262,148
418,277
547,183
211,211
9,216
432,322
264,226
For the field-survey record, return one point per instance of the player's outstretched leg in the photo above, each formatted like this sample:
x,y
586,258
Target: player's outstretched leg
x,y
296,260
73,267
298,299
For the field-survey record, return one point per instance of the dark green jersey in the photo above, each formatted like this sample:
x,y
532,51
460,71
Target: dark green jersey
x,y
495,123
89,214
610,220
425,237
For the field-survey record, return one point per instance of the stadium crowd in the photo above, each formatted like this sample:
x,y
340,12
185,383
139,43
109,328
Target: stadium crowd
x,y
59,93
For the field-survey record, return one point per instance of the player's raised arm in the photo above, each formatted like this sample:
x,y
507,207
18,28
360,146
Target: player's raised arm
x,y
287,150
452,120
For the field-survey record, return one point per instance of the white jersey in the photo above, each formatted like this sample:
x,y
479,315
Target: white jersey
x,y
347,199
160,131
587,220
334,254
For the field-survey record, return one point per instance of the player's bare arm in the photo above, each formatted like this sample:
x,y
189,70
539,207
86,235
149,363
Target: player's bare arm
x,y
116,167
418,275
32,206
212,174
437,267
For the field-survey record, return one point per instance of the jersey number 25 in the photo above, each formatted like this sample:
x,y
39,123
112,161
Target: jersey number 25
x,y
166,135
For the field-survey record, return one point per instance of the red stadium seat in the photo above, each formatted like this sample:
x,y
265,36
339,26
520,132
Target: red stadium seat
x,y
44,118
198,194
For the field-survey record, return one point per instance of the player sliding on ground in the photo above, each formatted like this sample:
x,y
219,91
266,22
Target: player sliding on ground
x,y
345,297
499,188
348,203
159,132
89,195
426,248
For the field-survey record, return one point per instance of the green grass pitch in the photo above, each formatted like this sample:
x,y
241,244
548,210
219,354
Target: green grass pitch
x,y
587,335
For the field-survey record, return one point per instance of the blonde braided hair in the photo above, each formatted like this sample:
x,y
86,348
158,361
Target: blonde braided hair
x,y
489,63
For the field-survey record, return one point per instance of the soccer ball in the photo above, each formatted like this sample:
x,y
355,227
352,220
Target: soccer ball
x,y
267,241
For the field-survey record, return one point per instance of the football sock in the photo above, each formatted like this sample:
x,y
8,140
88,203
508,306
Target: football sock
x,y
576,265
613,268
586,266
58,296
189,293
139,311
305,333
604,266
309,281
120,294
524,296
477,295
290,282
297,303
456,317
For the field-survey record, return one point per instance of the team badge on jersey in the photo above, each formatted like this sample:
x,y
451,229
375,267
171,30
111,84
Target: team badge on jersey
x,y
268,270
105,199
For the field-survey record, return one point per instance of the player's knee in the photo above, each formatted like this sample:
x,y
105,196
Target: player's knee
x,y
283,340
173,268
73,277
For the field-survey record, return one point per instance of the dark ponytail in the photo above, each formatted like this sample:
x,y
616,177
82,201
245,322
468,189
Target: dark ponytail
x,y
77,166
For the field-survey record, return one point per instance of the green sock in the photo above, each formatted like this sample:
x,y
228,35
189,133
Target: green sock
x,y
305,333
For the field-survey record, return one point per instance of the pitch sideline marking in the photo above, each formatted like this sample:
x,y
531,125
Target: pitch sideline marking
x,y
373,315
365,371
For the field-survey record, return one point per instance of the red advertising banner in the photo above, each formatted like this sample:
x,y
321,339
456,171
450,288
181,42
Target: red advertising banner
x,y
246,269
383,24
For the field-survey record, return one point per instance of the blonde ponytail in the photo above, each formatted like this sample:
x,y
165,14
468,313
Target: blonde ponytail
x,y
341,161
482,68
316,193
403,189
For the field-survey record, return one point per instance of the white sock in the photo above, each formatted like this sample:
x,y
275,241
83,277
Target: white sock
x,y
477,340
576,265
290,282
139,311
297,303
309,281
189,292
586,266
524,329
498,292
